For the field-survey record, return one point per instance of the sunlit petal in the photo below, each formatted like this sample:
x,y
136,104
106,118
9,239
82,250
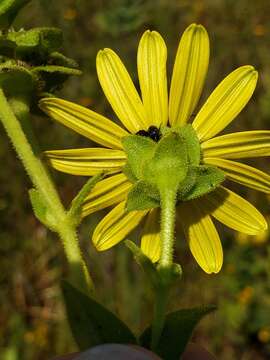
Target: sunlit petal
x,y
239,145
152,58
120,91
225,102
203,238
115,226
87,162
106,192
84,121
242,173
190,68
234,211
150,241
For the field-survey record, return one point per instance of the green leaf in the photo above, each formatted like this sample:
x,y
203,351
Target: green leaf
x,y
177,331
142,196
208,179
41,210
139,150
144,261
91,323
75,210
9,10
16,80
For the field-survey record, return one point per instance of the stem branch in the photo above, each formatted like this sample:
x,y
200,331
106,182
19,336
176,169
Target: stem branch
x,y
43,183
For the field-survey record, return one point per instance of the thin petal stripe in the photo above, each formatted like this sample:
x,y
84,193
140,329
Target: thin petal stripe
x,y
86,162
202,236
238,145
225,102
107,192
234,211
115,226
150,241
242,174
151,60
120,91
84,121
189,72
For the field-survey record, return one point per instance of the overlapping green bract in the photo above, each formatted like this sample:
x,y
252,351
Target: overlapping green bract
x,y
30,60
171,163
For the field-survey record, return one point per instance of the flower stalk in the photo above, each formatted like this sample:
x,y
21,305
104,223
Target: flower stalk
x,y
166,267
45,187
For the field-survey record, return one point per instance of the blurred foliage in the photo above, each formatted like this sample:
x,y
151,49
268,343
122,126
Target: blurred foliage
x,y
32,319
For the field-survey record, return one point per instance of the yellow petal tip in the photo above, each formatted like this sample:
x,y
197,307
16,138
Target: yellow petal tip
x,y
212,268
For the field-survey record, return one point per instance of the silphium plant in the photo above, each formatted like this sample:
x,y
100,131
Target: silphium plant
x,y
162,166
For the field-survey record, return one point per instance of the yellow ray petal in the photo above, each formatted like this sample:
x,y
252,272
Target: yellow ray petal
x,y
87,162
202,236
84,121
106,192
115,226
150,241
239,145
243,174
190,68
225,102
234,211
152,58
120,91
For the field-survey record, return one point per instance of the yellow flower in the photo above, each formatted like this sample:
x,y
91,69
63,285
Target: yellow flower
x,y
155,107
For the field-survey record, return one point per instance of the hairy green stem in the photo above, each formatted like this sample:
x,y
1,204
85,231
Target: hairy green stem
x,y
43,183
165,267
168,201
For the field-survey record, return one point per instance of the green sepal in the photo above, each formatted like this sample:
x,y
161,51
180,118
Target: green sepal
x,y
7,47
91,323
192,143
168,166
9,10
75,211
57,58
41,210
42,41
142,196
208,179
52,76
145,263
16,80
188,183
177,331
126,169
139,150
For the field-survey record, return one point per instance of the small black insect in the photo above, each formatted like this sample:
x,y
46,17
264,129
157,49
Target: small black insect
x,y
153,133
142,133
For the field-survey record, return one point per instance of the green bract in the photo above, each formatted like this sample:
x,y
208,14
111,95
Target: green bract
x,y
174,162
33,56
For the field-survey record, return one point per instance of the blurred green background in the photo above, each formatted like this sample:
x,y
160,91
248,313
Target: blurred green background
x,y
32,317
